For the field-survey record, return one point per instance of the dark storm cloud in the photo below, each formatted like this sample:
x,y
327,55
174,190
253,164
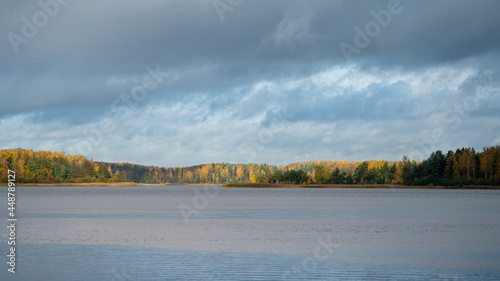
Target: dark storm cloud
x,y
235,74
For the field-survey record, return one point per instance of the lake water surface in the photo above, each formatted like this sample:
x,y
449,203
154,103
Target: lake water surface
x,y
209,233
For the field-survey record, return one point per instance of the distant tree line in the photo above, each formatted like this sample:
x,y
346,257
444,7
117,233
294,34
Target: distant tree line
x,y
462,167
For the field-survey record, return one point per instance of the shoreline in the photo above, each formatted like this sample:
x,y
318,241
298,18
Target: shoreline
x,y
76,184
375,186
267,185
106,184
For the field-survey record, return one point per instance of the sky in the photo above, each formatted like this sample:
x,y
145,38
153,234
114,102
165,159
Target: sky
x,y
180,83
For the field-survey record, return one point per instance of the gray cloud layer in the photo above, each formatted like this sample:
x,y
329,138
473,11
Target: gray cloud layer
x,y
268,83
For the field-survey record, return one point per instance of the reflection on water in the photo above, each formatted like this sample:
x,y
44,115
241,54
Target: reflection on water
x,y
139,233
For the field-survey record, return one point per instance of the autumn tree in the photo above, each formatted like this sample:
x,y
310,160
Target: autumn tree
x,y
103,172
320,174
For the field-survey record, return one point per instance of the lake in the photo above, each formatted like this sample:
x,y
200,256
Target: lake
x,y
212,233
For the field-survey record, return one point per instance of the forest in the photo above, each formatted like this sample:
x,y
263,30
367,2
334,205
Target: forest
x,y
464,166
